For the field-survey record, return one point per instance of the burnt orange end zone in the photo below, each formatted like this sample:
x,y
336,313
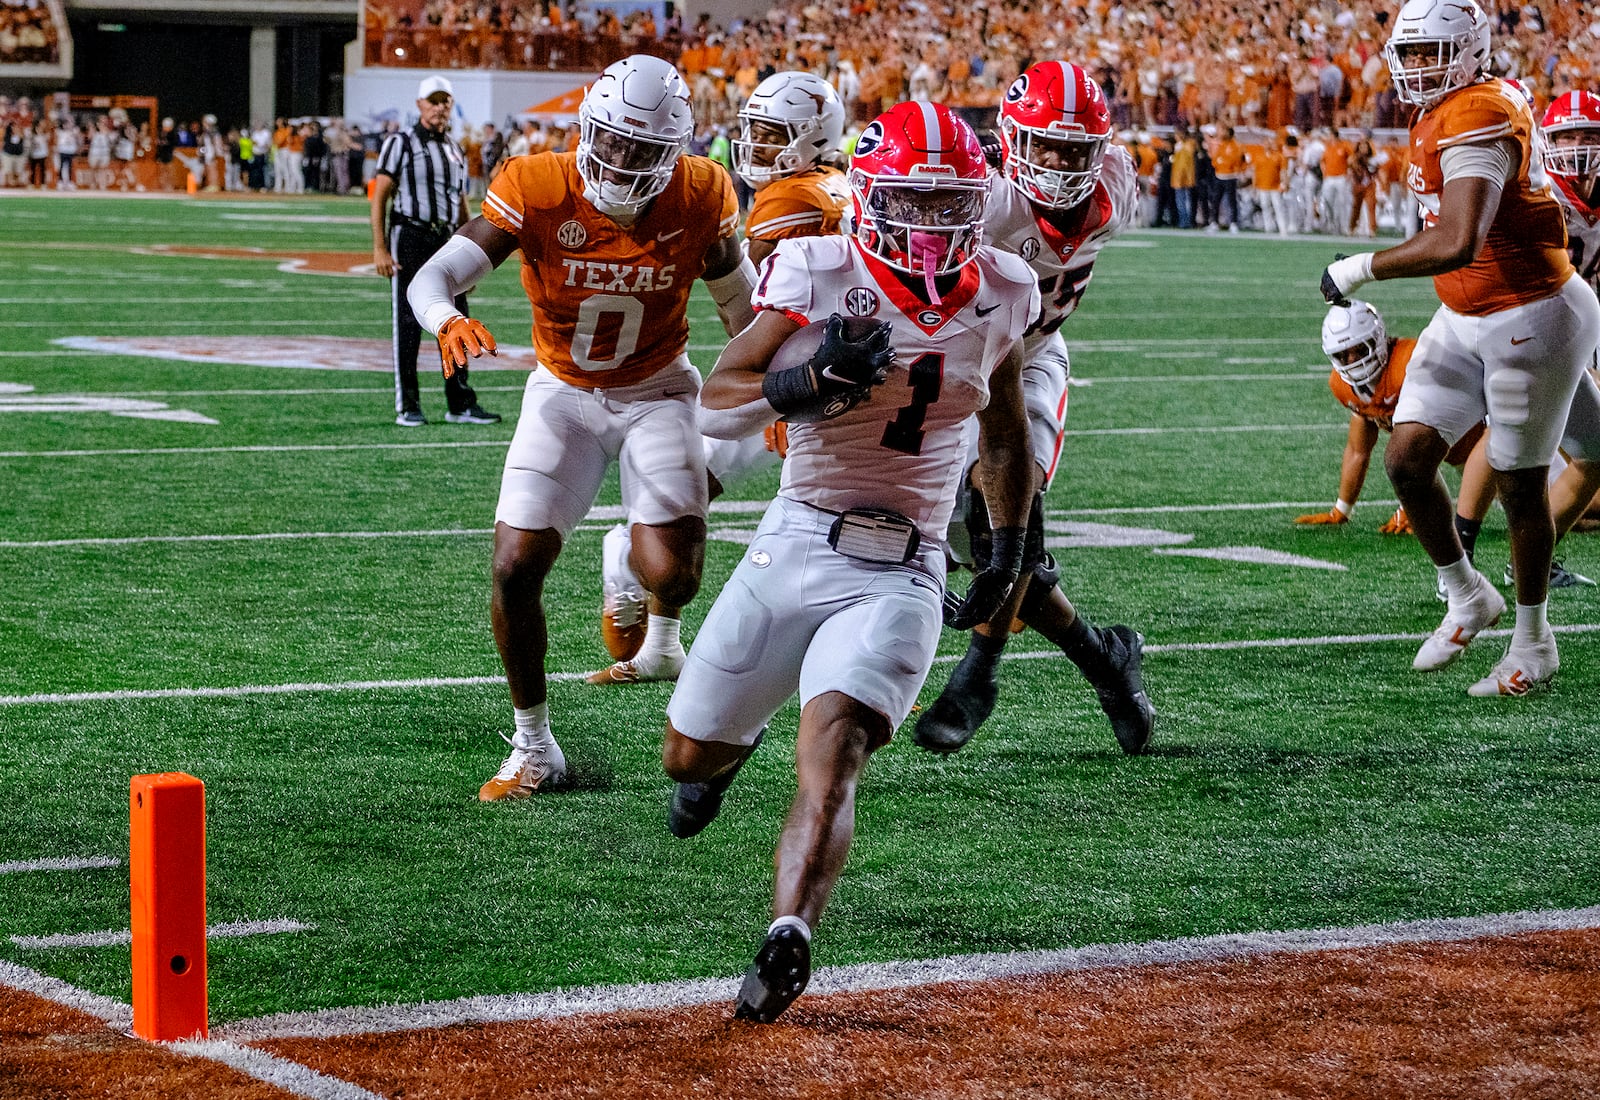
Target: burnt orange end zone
x,y
1512,1017
304,263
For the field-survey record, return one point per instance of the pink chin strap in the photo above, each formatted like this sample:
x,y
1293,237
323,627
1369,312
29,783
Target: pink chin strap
x,y
929,248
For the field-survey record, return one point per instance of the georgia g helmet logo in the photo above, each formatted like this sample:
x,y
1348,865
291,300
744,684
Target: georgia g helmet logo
x,y
1018,89
870,139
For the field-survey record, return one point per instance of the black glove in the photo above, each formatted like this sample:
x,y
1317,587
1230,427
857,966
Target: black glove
x,y
990,584
1330,289
993,152
838,374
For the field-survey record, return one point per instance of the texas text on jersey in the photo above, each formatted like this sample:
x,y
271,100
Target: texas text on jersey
x,y
1379,408
609,302
1524,259
911,434
1063,261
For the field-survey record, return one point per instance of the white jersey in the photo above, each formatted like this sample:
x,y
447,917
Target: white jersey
x,y
1063,263
904,448
1583,231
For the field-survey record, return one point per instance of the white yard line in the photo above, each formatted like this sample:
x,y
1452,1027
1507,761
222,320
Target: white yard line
x,y
331,1023
114,937
116,1015
1224,429
59,863
238,690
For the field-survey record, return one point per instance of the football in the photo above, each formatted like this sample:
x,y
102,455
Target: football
x,y
801,346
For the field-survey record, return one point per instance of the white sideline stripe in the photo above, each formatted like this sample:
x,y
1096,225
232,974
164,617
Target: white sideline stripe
x,y
59,863
333,1023
115,1014
363,391
56,698
287,448
291,1077
1163,509
113,937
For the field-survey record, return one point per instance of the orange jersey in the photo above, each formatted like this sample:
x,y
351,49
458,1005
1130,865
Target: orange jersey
x,y
810,204
1227,160
1379,408
1524,259
1269,166
1336,157
610,303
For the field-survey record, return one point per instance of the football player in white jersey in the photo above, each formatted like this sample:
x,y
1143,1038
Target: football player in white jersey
x,y
840,593
1063,191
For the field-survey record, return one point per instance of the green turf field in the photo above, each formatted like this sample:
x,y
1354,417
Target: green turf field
x,y
1290,786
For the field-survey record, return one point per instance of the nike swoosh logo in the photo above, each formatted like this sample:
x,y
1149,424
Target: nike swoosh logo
x,y
985,312
661,237
1524,340
827,372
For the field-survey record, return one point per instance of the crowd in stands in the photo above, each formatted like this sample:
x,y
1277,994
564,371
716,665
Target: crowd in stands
x,y
28,34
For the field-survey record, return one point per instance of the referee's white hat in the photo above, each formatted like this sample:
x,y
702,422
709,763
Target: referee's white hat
x,y
433,84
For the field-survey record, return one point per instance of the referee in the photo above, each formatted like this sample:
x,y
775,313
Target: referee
x,y
426,175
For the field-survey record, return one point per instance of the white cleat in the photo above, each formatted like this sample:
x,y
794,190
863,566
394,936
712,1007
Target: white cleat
x,y
535,767
1462,623
645,668
1522,669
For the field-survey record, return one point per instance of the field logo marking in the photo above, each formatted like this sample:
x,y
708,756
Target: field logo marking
x,y
16,397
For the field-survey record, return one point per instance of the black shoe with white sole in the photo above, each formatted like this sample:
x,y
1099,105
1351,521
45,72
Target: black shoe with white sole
x,y
474,414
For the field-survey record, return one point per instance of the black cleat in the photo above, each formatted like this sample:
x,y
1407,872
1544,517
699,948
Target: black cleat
x,y
964,704
779,975
1121,692
1560,577
696,805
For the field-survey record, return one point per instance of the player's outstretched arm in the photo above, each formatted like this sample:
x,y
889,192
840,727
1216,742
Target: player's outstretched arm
x,y
1006,475
1467,208
1361,439
476,249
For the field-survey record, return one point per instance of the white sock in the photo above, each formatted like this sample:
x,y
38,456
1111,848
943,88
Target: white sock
x,y
615,572
533,725
660,637
1532,625
790,922
1460,578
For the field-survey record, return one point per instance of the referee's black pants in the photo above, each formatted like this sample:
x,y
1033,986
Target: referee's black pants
x,y
411,246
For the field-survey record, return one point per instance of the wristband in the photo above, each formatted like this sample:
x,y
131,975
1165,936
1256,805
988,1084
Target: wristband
x,y
790,391
1006,549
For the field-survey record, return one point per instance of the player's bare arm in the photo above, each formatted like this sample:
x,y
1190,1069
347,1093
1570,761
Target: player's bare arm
x,y
736,379
1467,207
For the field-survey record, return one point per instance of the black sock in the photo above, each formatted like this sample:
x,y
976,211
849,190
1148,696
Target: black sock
x,y
1084,647
1468,530
983,652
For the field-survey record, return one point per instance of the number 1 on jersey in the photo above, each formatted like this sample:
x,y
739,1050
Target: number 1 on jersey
x,y
904,433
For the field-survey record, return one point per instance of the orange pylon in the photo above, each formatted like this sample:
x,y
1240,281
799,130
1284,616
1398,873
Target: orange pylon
x,y
167,887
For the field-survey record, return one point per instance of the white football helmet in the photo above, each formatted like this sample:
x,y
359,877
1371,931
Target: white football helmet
x,y
1354,340
1450,39
791,122
633,125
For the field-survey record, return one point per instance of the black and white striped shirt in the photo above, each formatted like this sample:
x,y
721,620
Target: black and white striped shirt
x,y
429,172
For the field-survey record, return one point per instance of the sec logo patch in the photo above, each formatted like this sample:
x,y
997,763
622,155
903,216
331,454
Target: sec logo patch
x,y
1030,248
571,235
861,301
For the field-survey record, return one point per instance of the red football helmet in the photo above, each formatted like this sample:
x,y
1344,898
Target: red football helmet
x,y
920,184
1572,135
1056,126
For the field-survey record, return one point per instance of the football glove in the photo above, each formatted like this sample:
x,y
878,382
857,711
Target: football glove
x,y
1397,524
991,584
776,436
460,338
836,377
1345,276
1332,515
